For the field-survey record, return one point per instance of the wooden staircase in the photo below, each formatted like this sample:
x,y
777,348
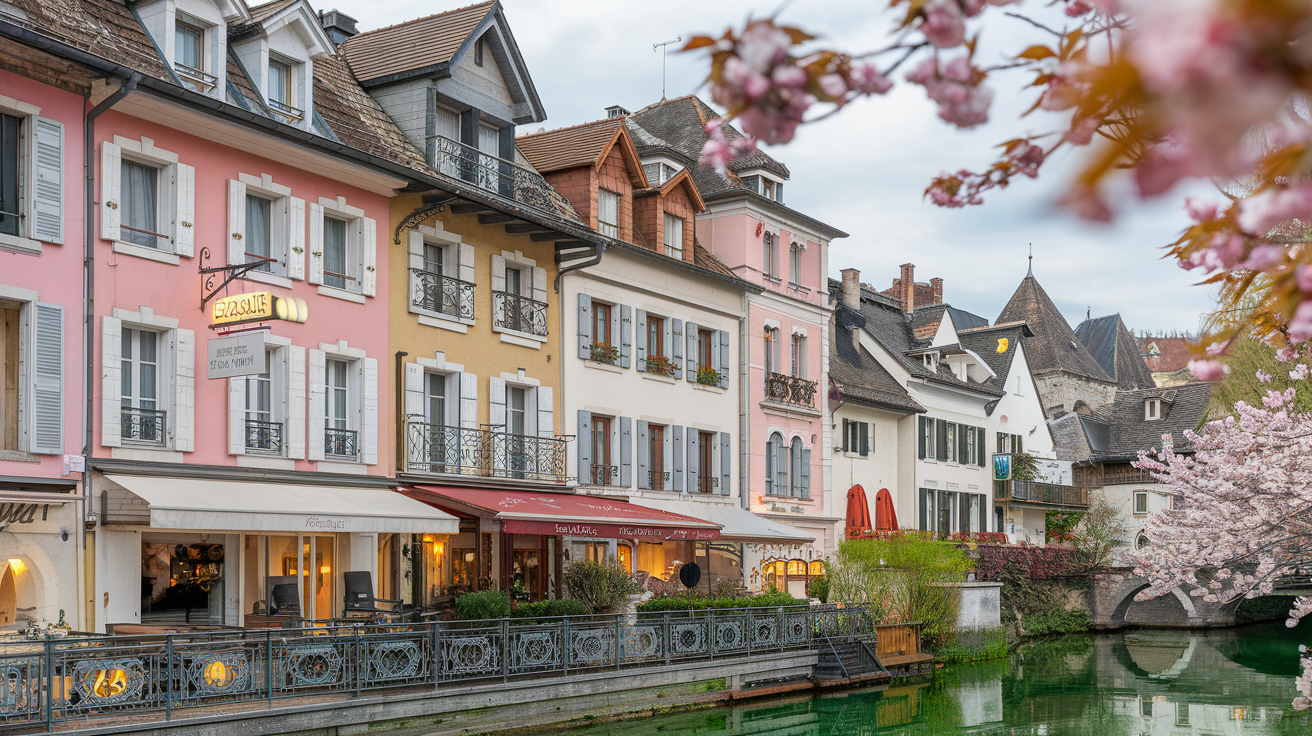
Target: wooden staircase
x,y
892,651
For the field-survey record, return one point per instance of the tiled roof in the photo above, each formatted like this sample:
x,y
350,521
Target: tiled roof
x,y
1054,346
415,44
1183,407
926,320
855,372
707,260
1172,353
356,118
1116,351
998,355
268,10
104,28
567,148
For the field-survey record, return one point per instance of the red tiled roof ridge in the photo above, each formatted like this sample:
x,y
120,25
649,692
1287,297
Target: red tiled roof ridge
x,y
569,127
363,34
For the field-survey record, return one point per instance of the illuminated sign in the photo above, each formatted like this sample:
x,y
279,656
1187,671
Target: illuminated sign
x,y
256,306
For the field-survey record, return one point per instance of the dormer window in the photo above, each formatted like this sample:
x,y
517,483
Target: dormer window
x,y
608,213
930,361
282,89
1152,410
189,56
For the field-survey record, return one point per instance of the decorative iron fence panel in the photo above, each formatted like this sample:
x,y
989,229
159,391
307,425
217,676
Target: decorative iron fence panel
x,y
519,313
144,425
340,442
528,457
434,292
493,174
790,390
264,436
87,678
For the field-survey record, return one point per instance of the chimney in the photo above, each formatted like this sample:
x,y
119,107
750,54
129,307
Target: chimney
x,y
907,285
616,111
851,288
338,25
936,291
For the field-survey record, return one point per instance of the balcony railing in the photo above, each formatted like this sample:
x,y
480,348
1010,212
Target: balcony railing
x,y
1126,475
144,425
519,313
264,436
433,292
1035,492
438,448
790,390
195,79
340,442
292,114
603,475
497,175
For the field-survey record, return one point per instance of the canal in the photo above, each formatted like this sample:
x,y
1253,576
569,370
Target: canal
x,y
1140,682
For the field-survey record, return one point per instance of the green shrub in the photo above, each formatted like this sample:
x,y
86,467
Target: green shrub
x,y
602,587
1057,622
980,647
549,609
818,588
769,599
483,604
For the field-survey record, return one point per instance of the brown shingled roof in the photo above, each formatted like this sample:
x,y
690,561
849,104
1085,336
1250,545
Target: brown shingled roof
x,y
104,28
356,118
707,260
1054,346
1172,354
567,148
415,44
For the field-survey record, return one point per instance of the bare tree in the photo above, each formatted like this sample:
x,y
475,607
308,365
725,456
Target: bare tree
x,y
1100,533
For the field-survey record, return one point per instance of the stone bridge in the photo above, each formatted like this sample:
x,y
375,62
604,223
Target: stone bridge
x,y
1112,605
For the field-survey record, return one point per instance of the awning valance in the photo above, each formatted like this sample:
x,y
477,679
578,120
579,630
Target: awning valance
x,y
37,497
737,523
566,514
187,503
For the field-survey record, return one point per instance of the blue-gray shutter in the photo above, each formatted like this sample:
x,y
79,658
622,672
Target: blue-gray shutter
x,y
667,457
626,335
782,486
644,461
982,460
806,473
48,386
640,327
48,193
726,447
690,333
694,472
676,433
724,358
583,439
626,452
676,346
769,467
585,326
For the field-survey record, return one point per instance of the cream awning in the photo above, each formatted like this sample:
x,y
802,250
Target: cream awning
x,y
186,503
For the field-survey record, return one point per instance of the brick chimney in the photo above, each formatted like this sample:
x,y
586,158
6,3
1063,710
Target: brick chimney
x,y
907,287
936,291
851,288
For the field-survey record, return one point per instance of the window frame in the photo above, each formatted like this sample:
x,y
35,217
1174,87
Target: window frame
x,y
673,250
705,348
606,227
656,456
160,217
796,453
353,283
179,24
770,255
774,452
707,478
1152,409
794,264
1140,495
522,393
287,77
771,350
655,328
162,380
602,312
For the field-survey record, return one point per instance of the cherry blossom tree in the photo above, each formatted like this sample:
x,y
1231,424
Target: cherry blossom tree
x,y
1153,91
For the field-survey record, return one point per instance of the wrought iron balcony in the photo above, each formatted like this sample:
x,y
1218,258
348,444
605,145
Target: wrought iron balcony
x,y
1048,493
433,292
144,425
195,79
496,175
340,442
519,313
264,436
291,114
603,475
439,448
790,390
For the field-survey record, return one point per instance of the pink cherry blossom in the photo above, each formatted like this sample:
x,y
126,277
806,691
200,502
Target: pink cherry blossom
x,y
1304,279
833,85
1260,213
944,24
961,100
867,78
1076,8
762,46
1199,210
1300,327
1263,258
1082,132
1208,370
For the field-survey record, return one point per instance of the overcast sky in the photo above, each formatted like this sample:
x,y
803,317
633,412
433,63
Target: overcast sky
x,y
864,170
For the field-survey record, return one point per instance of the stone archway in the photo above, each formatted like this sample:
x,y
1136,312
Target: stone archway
x,y
1117,618
8,597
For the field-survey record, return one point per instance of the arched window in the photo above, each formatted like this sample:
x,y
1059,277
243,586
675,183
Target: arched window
x,y
776,467
771,351
770,255
817,568
799,472
795,265
1141,541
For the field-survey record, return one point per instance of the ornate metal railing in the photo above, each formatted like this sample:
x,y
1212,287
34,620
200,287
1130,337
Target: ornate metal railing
x,y
519,313
438,448
264,436
434,292
340,442
790,390
144,425
292,114
1035,492
1125,475
603,475
496,175
195,79
532,458
153,677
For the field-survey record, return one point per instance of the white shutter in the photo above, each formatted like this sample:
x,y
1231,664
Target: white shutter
x,y
644,460
806,473
626,451
540,285
498,273
690,332
316,253
677,476
369,251
497,404
723,364
48,384
468,400
414,395
184,210
585,326
674,345
640,330
111,392
111,180
237,415
317,402
626,335
583,447
295,238
184,386
694,461
546,405
236,222
415,242
48,193
726,452
465,253
295,441
369,412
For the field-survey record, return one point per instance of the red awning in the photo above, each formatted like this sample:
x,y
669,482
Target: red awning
x,y
535,512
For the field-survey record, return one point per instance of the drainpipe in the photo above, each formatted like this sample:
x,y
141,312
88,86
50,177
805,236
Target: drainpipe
x,y
744,424
594,259
400,414
89,275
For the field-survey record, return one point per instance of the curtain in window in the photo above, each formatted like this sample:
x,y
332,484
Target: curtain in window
x,y
334,253
673,236
608,216
258,228
140,197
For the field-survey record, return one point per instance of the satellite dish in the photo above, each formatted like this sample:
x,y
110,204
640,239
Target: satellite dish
x,y
690,574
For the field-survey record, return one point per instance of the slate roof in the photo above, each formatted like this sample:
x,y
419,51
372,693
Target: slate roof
x,y
356,118
1183,407
986,342
568,148
413,45
1054,346
855,372
1116,350
104,28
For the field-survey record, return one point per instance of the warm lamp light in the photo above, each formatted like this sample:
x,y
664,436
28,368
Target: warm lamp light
x,y
17,565
325,569
438,548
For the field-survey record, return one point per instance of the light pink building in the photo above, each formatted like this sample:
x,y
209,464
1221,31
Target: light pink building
x,y
786,438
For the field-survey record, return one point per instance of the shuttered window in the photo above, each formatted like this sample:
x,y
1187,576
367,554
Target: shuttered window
x,y
11,205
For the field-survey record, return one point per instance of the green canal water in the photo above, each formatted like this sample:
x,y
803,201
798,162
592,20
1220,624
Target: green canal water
x,y
1142,682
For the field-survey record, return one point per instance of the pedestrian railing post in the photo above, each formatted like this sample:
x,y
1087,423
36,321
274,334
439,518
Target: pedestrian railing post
x,y
437,654
710,633
665,635
751,632
50,685
564,644
268,664
359,659
168,689
505,650
617,642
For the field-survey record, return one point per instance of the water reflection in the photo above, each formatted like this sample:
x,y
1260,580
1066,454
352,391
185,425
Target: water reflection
x,y
1139,683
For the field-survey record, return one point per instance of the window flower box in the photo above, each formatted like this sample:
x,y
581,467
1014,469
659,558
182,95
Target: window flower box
x,y
660,365
708,376
603,353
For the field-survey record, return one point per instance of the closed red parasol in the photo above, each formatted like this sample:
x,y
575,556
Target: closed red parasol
x,y
858,512
885,514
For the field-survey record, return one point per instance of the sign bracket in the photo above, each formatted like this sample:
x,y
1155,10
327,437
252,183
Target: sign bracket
x,y
207,288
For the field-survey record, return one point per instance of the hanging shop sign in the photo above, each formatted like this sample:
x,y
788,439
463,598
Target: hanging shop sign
x,y
1002,467
237,355
256,306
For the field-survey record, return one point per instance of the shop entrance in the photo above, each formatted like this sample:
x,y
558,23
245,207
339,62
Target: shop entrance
x,y
181,579
292,575
8,596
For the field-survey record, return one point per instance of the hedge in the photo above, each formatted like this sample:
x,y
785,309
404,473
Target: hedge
x,y
769,599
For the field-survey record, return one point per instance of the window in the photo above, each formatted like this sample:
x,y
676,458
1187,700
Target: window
x,y
655,340
767,188
335,264
11,203
280,82
776,466
601,324
189,42
705,348
1140,503
673,236
1141,541
339,440
706,481
656,453
31,179
769,255
927,441
608,213
259,232
951,442
434,259
1152,410
478,52
263,431
601,471
771,351
856,437
969,437
516,423
140,189
799,355
142,420
435,404
796,468
514,281
795,265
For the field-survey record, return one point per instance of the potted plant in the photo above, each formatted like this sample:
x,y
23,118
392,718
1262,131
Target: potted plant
x,y
603,353
708,376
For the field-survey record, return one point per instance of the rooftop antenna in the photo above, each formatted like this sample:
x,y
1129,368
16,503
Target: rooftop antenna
x,y
1031,273
661,47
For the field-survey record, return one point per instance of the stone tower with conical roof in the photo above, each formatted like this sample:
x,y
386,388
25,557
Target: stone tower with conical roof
x,y
1067,375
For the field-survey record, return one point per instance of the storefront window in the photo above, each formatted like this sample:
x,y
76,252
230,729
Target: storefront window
x,y
625,556
463,568
817,568
596,551
388,584
525,574
182,579
432,557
